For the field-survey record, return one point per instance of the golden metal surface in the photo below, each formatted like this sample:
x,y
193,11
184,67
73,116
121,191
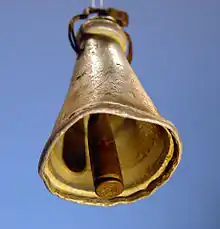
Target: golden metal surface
x,y
109,189
103,82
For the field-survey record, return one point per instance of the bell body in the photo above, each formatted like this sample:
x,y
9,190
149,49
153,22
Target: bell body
x,y
103,82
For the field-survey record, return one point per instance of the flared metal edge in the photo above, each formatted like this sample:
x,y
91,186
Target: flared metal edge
x,y
122,111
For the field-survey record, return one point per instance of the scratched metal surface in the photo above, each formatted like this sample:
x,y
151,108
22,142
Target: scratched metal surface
x,y
103,81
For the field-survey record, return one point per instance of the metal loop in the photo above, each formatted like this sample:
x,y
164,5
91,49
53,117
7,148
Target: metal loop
x,y
120,17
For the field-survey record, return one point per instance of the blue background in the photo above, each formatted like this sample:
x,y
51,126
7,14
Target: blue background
x,y
176,57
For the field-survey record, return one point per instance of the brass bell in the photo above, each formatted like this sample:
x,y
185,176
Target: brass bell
x,y
109,144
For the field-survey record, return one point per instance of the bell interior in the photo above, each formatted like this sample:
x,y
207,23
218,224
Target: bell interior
x,y
144,150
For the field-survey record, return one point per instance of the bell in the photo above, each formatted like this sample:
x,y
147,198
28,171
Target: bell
x,y
109,144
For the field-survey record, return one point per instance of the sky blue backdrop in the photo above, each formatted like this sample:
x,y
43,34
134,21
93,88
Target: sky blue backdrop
x,y
176,57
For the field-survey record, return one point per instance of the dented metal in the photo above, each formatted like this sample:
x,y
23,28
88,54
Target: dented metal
x,y
147,146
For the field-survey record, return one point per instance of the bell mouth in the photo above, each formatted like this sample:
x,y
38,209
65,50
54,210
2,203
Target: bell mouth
x,y
148,154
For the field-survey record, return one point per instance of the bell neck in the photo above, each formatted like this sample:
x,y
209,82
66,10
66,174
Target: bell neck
x,y
102,26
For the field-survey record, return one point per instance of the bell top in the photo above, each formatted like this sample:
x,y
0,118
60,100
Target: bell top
x,y
105,26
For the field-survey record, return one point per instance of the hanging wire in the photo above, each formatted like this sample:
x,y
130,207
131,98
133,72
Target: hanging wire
x,y
101,3
93,3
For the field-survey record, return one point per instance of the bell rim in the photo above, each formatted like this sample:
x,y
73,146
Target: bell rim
x,y
122,111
